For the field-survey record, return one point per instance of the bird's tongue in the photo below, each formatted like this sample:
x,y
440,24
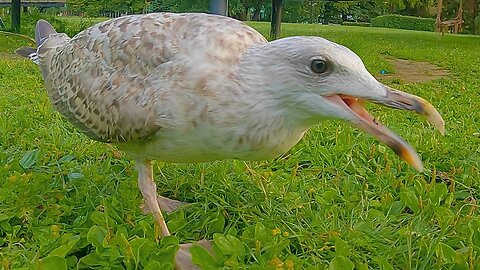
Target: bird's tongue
x,y
357,106
368,124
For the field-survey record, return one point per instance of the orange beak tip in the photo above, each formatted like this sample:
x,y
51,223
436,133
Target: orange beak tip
x,y
433,116
412,158
415,163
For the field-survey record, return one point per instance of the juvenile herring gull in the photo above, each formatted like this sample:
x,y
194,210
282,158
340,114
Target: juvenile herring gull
x,y
198,87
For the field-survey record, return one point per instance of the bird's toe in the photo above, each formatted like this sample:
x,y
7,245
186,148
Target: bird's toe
x,y
183,258
167,205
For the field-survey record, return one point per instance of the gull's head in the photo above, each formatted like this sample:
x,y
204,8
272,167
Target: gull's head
x,y
317,79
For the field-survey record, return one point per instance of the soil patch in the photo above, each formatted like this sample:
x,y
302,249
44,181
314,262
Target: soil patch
x,y
414,72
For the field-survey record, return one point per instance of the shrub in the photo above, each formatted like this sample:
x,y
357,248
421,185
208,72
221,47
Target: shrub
x,y
404,22
364,24
70,27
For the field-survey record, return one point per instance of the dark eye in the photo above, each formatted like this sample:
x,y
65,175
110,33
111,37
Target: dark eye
x,y
318,66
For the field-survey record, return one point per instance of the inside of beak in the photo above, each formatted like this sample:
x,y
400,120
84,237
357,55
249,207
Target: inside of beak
x,y
364,121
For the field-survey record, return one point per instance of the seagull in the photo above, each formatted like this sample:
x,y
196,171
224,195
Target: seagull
x,y
195,87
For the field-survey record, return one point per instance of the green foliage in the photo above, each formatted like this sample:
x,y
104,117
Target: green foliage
x,y
73,25
69,25
337,200
92,8
312,11
364,24
236,8
179,5
404,22
28,21
302,11
407,7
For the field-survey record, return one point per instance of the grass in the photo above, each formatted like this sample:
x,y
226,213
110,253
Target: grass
x,y
337,200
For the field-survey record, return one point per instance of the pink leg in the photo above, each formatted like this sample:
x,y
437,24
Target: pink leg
x,y
149,191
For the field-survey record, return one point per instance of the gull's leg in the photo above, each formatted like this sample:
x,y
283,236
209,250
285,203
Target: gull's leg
x,y
154,202
149,192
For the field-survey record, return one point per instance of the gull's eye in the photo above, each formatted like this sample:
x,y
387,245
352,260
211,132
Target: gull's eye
x,y
318,66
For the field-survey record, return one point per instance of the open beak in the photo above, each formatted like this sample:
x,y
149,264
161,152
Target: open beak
x,y
395,99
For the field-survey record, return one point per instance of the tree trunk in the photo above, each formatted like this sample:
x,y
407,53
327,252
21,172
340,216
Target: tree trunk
x,y
474,5
16,4
242,16
219,7
476,21
438,20
276,19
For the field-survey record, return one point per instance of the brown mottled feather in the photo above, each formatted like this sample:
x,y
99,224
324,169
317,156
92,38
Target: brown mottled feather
x,y
107,79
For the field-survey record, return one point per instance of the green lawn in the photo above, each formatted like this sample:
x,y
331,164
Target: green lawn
x,y
80,20
337,200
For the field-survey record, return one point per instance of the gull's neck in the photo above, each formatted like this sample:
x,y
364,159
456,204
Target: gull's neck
x,y
270,87
270,122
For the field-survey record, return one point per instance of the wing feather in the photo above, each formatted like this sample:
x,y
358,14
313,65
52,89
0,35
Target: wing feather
x,y
108,80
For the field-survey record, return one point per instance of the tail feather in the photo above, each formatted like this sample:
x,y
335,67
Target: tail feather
x,y
43,31
28,52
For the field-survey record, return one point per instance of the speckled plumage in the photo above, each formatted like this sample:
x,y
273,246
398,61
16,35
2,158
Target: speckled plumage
x,y
145,81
